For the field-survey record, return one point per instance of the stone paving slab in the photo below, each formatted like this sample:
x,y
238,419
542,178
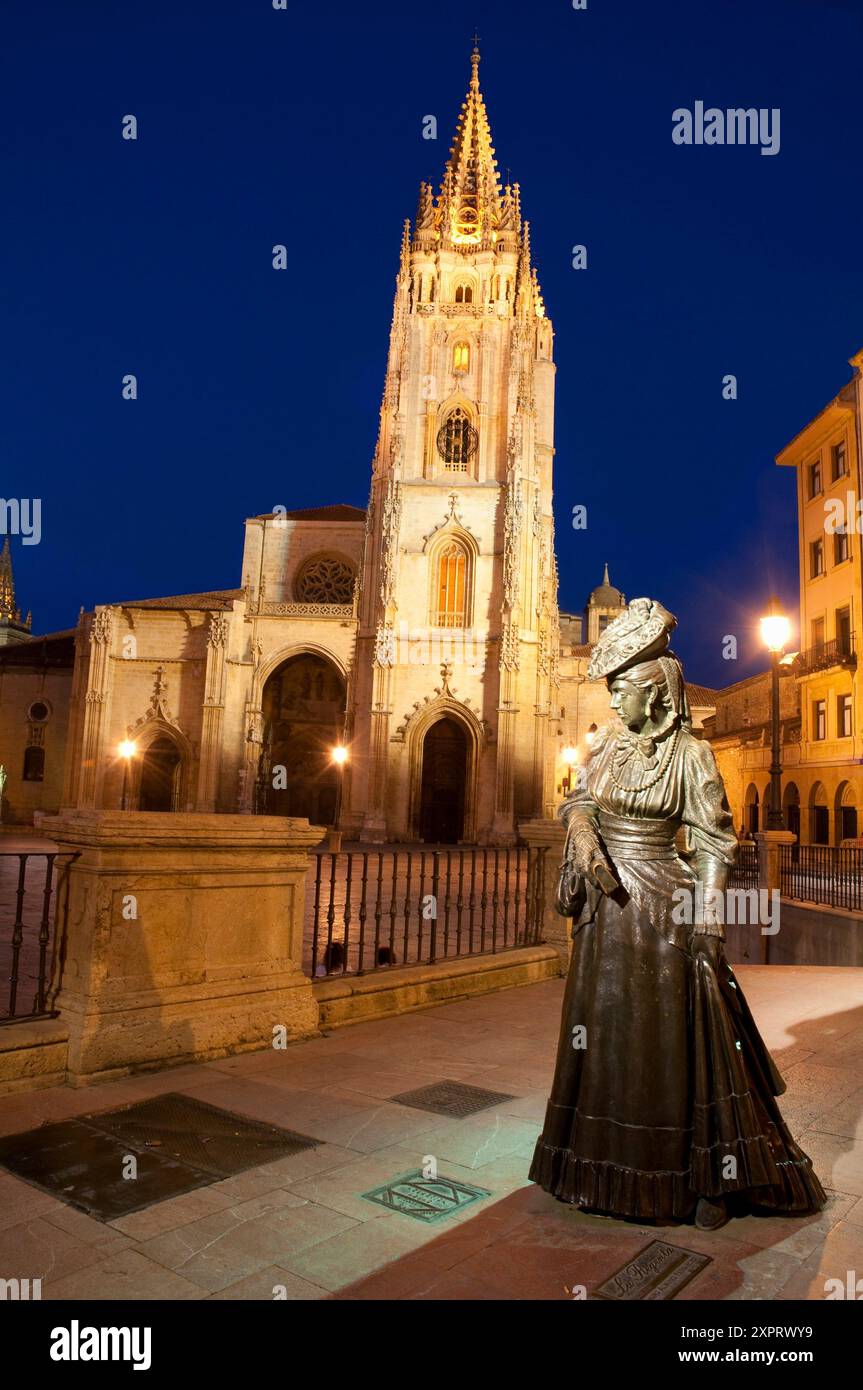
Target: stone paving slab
x,y
298,1228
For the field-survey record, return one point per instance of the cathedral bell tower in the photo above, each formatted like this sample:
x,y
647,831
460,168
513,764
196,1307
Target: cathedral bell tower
x,y
455,678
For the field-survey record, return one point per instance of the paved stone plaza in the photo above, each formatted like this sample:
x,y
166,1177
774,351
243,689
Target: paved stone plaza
x,y
303,1226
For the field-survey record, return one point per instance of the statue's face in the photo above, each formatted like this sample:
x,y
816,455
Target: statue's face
x,y
631,702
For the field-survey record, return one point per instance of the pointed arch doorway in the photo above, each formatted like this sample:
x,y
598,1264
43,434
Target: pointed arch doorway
x,y
443,782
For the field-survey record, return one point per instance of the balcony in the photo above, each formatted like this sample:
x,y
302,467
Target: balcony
x,y
839,652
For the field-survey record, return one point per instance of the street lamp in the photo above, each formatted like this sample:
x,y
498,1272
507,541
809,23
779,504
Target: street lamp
x,y
775,631
339,756
127,750
570,757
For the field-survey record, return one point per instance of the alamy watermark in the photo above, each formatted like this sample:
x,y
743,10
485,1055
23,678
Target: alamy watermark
x,y
21,516
735,906
734,126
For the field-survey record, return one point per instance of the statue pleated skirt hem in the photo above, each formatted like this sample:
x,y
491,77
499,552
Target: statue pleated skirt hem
x,y
663,1090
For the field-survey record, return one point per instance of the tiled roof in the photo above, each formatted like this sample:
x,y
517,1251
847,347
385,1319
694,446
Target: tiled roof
x,y
701,696
54,649
213,598
339,511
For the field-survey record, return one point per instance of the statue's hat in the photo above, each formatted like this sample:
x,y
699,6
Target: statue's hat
x,y
642,632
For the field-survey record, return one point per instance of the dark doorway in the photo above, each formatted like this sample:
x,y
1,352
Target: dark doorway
x,y
160,770
443,783
304,710
848,823
820,825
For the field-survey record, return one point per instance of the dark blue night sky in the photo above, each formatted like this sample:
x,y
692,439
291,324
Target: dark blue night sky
x,y
304,126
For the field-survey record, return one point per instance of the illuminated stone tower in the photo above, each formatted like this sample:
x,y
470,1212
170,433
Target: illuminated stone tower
x,y
454,686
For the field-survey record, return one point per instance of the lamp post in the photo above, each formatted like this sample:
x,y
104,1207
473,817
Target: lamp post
x,y
339,756
126,750
570,758
775,629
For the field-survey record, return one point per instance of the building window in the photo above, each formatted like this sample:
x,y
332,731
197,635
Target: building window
x,y
843,716
816,559
451,586
34,765
819,720
461,357
325,579
818,634
840,467
841,547
814,478
457,440
843,631
464,294
39,712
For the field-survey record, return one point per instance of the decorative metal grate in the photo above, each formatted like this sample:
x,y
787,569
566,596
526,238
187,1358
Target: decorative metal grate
x,y
453,1098
425,1199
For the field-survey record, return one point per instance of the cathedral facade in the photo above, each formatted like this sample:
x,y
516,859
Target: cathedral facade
x,y
422,635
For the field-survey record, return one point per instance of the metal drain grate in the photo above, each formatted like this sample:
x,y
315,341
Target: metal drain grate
x,y
452,1098
200,1135
425,1199
177,1143
656,1274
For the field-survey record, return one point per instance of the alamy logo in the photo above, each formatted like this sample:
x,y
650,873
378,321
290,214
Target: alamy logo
x,y
19,1290
735,126
77,1343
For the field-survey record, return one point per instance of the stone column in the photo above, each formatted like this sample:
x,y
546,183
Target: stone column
x,y
101,634
768,842
181,936
213,713
550,835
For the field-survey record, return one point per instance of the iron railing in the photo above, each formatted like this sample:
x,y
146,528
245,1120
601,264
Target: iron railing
x,y
26,888
822,874
371,910
745,871
839,651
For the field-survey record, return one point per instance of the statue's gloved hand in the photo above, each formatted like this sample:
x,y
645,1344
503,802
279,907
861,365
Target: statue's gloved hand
x,y
590,860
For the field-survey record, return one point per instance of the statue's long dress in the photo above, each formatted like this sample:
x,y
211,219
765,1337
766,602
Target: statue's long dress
x,y
673,1078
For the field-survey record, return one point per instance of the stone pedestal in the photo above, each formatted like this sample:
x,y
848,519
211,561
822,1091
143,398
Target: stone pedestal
x,y
768,842
550,835
180,936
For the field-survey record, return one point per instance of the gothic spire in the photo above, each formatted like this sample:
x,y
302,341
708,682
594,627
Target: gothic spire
x,y
7,584
471,170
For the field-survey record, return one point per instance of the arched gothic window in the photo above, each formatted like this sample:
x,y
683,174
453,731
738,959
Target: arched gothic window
x,y
461,357
464,294
450,596
457,440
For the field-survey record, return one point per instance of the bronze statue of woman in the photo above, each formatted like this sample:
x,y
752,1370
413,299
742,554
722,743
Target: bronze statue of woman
x,y
663,1102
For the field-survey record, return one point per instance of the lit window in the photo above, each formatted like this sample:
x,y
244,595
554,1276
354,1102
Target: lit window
x,y
840,467
816,559
819,719
461,357
450,590
844,716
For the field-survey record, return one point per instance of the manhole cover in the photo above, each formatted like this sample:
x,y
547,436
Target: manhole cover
x,y
657,1273
425,1199
121,1161
452,1098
